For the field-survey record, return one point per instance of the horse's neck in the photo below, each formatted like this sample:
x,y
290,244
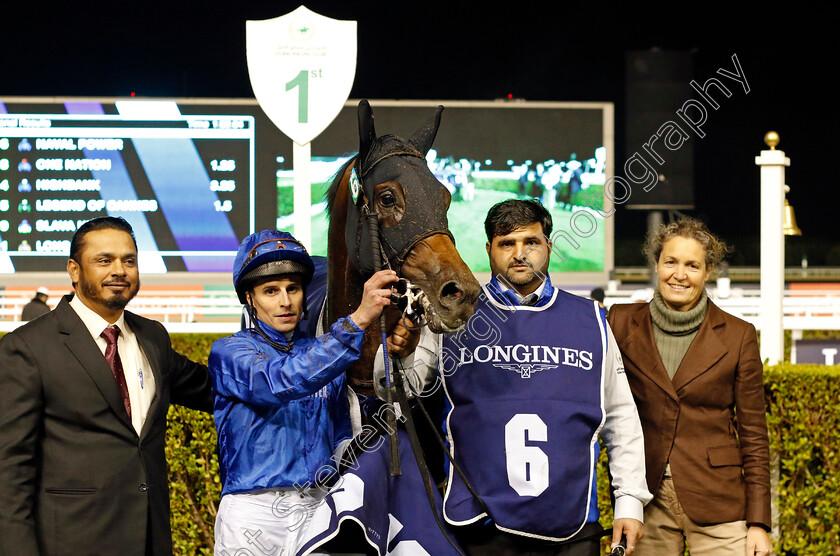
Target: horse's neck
x,y
345,285
344,293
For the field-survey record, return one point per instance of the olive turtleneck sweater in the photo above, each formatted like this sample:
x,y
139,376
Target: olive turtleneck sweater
x,y
673,331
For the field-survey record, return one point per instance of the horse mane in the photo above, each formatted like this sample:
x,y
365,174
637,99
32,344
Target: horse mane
x,y
332,192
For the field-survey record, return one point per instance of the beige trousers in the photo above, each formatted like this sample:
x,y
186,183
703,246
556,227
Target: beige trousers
x,y
668,530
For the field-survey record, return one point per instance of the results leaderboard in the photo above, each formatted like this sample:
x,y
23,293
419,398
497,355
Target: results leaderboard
x,y
184,183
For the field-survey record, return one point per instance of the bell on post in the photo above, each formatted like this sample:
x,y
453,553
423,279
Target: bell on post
x,y
790,227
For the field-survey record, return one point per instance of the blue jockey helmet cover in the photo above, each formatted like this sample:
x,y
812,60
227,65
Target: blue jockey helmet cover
x,y
269,253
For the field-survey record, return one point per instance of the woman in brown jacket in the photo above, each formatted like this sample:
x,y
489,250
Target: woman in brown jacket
x,y
696,376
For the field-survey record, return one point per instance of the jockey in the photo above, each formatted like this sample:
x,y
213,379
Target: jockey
x,y
281,410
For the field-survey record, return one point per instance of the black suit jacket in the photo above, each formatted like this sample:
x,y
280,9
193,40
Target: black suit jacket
x,y
75,477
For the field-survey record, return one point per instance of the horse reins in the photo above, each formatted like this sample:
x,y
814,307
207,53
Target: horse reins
x,y
414,440
393,440
379,256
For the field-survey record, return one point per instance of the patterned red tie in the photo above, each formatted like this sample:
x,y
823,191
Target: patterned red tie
x,y
110,335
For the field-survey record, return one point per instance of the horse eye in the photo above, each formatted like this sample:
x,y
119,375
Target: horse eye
x,y
387,199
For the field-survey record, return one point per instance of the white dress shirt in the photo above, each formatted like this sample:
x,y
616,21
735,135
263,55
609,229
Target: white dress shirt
x,y
138,373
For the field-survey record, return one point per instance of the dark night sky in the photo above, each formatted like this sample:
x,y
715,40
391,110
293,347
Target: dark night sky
x,y
555,51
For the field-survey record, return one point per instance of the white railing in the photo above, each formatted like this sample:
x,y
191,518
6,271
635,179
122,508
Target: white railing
x,y
213,312
220,312
802,309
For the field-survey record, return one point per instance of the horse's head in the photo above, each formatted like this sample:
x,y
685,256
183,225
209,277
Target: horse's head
x,y
390,178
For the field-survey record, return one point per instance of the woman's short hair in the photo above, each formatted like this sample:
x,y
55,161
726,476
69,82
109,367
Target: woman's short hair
x,y
690,228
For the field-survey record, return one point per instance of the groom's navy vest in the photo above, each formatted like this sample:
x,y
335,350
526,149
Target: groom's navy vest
x,y
525,388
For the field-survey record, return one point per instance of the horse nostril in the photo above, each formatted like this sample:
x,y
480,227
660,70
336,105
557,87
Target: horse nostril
x,y
450,290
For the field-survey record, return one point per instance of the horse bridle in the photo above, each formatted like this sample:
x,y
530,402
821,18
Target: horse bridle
x,y
395,243
409,299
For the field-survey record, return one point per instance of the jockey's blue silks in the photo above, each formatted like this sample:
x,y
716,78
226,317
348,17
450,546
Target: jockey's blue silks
x,y
391,158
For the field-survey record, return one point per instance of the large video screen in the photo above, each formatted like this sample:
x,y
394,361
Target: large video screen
x,y
194,176
486,152
184,182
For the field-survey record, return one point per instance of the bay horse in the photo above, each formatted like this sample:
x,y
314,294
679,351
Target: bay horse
x,y
389,177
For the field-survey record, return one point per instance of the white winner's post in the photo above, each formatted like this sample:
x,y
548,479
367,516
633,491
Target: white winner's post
x,y
302,67
301,157
772,163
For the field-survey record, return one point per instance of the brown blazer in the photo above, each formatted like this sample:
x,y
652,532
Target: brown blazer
x,y
709,421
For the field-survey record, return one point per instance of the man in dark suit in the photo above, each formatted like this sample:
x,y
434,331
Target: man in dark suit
x,y
84,393
37,306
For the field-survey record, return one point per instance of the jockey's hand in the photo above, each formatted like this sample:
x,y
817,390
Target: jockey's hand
x,y
375,297
403,340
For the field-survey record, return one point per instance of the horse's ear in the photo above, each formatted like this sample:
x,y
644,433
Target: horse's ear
x,y
425,136
367,133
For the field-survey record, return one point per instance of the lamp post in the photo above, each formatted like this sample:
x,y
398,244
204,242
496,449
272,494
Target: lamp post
x,y
772,163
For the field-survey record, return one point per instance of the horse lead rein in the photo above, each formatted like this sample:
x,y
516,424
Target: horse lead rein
x,y
414,441
393,440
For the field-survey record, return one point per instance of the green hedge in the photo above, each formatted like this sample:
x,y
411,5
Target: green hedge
x,y
194,485
804,422
803,418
